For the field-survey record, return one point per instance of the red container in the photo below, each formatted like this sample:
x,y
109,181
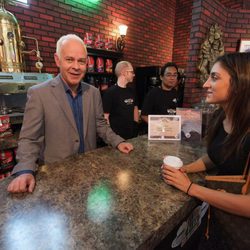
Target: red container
x,y
109,66
99,43
6,156
109,44
88,40
91,64
5,129
100,64
4,123
7,161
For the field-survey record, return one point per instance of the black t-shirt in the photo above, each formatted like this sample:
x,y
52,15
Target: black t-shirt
x,y
235,164
160,102
119,103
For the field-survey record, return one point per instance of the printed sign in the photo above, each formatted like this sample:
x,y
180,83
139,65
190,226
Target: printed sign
x,y
164,127
191,120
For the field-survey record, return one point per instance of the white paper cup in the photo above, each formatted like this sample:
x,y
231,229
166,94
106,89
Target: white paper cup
x,y
173,161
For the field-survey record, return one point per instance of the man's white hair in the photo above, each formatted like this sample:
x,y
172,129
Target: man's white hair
x,y
64,38
120,66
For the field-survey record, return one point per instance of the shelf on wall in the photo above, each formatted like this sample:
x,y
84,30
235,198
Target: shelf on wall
x,y
99,79
104,53
99,73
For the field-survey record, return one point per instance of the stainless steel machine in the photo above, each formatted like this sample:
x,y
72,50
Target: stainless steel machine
x,y
13,90
14,82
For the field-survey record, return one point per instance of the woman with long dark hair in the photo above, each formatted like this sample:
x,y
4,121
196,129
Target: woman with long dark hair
x,y
228,140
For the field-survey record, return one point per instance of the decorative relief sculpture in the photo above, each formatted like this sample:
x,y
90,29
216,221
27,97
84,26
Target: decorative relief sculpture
x,y
211,48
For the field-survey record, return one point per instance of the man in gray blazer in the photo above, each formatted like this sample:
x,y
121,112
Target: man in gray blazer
x,y
62,117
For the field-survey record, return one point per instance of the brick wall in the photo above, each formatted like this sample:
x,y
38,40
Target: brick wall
x,y
154,29
235,4
149,38
235,23
182,32
237,28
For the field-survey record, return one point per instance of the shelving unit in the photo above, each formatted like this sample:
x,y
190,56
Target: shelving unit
x,y
102,80
104,53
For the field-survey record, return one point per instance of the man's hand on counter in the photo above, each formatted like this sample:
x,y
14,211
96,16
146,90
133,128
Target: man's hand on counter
x,y
22,183
125,147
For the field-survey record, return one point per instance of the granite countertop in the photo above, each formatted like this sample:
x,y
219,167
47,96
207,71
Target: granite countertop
x,y
99,200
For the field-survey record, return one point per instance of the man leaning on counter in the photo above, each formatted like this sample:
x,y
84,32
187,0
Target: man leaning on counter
x,y
62,117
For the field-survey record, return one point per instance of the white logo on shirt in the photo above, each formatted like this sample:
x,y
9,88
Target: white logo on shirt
x,y
129,101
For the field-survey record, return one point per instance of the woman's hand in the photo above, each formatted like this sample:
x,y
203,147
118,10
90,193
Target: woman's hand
x,y
176,178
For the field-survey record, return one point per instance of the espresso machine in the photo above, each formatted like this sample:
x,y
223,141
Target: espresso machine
x,y
14,81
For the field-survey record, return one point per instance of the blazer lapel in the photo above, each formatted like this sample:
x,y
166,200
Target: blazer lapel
x,y
59,93
86,108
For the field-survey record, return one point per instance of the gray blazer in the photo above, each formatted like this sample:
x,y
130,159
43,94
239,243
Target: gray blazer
x,y
49,131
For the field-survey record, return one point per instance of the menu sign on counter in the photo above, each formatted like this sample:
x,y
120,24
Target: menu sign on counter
x,y
164,127
191,120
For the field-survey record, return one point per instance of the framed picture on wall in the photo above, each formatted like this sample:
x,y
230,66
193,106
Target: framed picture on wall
x,y
244,45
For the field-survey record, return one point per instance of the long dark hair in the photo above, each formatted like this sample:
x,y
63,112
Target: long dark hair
x,y
238,107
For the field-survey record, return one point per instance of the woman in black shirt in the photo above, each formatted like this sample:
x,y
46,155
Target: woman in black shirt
x,y
228,136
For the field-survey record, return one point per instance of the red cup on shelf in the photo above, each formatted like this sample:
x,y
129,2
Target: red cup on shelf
x,y
109,66
88,40
90,64
100,64
109,43
99,43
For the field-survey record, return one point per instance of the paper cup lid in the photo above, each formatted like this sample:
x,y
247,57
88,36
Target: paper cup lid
x,y
173,161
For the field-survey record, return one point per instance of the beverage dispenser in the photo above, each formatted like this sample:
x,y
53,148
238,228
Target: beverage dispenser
x,y
10,42
14,81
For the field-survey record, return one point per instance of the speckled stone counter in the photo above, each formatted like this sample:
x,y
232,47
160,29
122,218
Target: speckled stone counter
x,y
100,200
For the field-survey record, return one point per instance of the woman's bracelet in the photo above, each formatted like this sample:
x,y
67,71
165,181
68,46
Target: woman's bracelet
x,y
189,187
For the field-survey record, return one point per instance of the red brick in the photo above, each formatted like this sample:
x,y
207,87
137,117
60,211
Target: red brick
x,y
32,25
47,17
66,17
53,24
48,39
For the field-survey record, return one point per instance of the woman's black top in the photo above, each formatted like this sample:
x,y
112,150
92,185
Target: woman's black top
x,y
233,165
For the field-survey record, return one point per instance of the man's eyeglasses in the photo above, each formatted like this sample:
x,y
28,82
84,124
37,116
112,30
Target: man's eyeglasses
x,y
131,71
171,75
